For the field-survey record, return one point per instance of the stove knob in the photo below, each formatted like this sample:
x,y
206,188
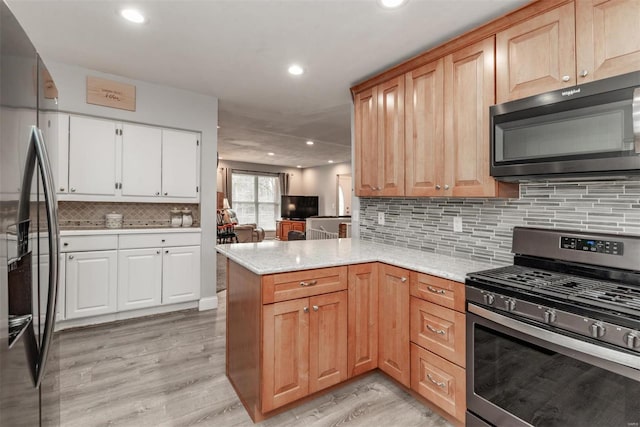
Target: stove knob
x,y
489,299
597,330
632,340
510,304
549,316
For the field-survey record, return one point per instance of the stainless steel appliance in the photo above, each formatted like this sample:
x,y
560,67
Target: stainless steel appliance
x,y
554,340
28,235
587,131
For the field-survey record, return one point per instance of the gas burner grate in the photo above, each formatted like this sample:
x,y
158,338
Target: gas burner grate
x,y
612,296
520,277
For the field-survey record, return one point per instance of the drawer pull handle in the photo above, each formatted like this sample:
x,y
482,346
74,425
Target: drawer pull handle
x,y
438,383
403,279
305,309
436,291
310,283
315,308
436,331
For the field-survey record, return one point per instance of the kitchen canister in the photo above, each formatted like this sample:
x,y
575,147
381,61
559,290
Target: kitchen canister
x,y
176,217
113,220
187,217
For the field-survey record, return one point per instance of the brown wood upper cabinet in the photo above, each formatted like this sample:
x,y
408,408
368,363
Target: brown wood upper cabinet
x,y
379,139
568,45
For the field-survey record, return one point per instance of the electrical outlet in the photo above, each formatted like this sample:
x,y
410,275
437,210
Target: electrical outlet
x,y
457,224
381,218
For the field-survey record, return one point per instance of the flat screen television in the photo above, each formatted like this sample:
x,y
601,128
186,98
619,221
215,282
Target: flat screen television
x,y
298,207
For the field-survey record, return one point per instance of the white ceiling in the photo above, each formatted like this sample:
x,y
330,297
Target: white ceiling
x,y
239,51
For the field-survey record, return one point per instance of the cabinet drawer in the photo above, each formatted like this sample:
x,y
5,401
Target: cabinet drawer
x,y
438,381
158,240
300,284
438,329
446,293
88,243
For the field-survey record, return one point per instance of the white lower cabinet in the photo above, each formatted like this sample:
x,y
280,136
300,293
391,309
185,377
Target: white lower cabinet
x,y
180,274
91,283
139,278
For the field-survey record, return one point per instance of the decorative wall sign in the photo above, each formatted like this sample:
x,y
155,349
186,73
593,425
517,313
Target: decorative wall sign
x,y
111,94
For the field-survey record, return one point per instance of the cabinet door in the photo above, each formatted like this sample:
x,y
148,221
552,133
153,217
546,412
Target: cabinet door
x,y
537,55
285,360
141,160
180,274
91,283
391,137
606,38
469,91
180,164
92,156
366,142
393,322
363,318
285,227
327,340
424,122
139,278
55,129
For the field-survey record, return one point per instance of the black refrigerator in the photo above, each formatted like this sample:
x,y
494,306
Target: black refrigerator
x,y
29,347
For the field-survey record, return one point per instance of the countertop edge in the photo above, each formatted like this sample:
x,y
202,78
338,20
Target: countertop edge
x,y
102,231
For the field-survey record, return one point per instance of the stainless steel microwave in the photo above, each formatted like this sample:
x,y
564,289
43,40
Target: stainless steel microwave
x,y
586,131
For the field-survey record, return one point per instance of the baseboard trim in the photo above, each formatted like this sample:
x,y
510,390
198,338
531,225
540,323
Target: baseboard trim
x,y
208,303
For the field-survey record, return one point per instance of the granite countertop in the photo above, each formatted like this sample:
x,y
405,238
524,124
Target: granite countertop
x,y
99,231
274,256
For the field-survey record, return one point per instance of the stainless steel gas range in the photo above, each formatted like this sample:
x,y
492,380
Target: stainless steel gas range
x,y
554,340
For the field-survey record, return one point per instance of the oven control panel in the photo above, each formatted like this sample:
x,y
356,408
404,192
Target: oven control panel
x,y
592,245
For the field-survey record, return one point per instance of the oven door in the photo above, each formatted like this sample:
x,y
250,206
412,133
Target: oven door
x,y
519,374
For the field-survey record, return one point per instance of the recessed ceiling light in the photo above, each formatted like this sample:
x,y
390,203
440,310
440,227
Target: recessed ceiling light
x,y
391,4
295,70
270,154
309,142
133,15
299,167
330,161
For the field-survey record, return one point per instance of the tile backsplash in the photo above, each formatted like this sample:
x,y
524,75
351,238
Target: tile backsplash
x,y
427,223
83,215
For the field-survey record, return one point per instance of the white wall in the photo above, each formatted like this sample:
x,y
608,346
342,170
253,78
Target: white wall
x,y
322,181
161,106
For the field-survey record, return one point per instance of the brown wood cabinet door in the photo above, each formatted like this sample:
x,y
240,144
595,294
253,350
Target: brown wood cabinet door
x,y
362,351
391,138
327,340
537,55
469,92
285,359
607,38
424,126
393,322
366,143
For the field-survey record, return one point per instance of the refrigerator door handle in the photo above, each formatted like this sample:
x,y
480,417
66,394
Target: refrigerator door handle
x,y
51,205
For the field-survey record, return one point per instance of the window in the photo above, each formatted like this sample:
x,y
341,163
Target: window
x,y
256,199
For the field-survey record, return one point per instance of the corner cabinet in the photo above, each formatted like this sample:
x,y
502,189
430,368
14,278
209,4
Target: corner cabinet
x,y
379,140
113,161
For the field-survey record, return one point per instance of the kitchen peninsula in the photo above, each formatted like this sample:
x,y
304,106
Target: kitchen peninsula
x,y
304,316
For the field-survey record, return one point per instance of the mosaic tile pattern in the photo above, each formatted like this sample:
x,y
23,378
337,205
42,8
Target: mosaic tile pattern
x,y
88,215
427,223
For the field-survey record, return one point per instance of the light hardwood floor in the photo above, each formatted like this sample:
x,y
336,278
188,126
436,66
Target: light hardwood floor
x,y
168,370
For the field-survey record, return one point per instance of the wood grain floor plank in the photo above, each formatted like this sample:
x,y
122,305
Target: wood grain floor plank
x,y
168,370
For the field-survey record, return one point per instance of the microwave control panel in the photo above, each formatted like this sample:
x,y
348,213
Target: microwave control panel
x,y
592,245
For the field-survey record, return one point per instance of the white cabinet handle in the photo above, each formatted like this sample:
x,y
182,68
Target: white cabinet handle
x,y
404,279
305,309
73,190
315,308
435,331
438,383
584,73
438,186
566,78
436,291
446,186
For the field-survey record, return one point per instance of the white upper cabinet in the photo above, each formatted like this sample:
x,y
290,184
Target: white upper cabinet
x,y
92,156
180,166
111,161
141,160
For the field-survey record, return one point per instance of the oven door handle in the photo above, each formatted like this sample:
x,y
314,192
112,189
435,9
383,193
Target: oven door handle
x,y
569,343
